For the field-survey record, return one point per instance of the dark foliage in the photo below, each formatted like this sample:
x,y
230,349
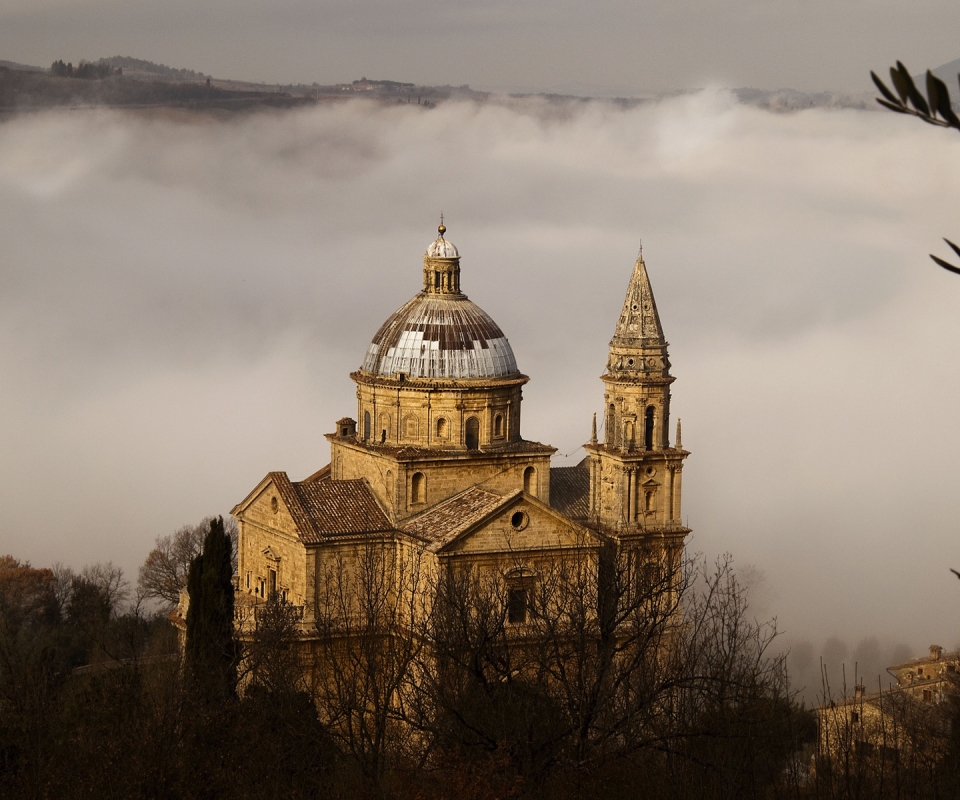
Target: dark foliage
x,y
127,62
94,702
163,573
211,654
935,109
85,69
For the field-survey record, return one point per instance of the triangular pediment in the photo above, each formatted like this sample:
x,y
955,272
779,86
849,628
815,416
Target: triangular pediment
x,y
274,504
518,523
314,509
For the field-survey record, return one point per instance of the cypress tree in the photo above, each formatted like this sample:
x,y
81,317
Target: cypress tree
x,y
211,650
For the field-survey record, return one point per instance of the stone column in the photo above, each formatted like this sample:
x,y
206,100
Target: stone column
x,y
623,505
668,499
677,481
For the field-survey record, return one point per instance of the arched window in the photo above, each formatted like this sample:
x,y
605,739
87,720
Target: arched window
x,y
443,428
611,431
498,425
366,426
648,428
473,433
418,488
390,485
530,481
648,500
628,434
384,425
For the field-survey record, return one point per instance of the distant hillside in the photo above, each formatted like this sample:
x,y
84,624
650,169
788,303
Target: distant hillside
x,y
30,90
132,65
20,67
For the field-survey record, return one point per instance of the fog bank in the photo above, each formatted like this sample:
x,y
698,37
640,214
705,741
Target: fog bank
x,y
181,302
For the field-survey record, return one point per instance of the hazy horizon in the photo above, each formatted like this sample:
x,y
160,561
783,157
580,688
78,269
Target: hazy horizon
x,y
611,47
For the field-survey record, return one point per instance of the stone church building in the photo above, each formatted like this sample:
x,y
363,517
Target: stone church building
x,y
434,461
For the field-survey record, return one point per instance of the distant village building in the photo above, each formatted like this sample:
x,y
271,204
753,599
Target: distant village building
x,y
434,469
908,719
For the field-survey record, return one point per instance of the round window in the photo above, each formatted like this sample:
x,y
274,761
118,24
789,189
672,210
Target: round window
x,y
519,520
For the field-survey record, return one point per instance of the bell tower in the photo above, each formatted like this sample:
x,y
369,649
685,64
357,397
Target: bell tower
x,y
635,473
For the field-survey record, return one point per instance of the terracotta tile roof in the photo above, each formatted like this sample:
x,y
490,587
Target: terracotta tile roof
x,y
291,499
570,490
446,521
340,508
322,507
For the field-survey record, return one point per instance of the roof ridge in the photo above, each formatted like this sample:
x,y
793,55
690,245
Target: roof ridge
x,y
324,473
291,497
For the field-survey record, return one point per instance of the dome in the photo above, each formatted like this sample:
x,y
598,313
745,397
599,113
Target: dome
x,y
440,336
441,248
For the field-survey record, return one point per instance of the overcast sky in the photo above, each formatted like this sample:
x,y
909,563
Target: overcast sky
x,y
181,302
602,47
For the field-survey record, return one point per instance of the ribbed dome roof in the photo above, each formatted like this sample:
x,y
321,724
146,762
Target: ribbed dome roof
x,y
441,248
440,336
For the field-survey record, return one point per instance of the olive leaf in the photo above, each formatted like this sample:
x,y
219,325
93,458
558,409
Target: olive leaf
x,y
939,112
939,97
915,97
944,264
885,91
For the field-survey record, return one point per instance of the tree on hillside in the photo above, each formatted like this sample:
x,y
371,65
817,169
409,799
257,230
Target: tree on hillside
x,y
650,667
211,650
164,572
936,109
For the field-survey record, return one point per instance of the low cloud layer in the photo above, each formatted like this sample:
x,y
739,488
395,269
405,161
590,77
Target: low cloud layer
x,y
181,302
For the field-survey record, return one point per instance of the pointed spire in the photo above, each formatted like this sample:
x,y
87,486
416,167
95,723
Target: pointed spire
x,y
638,347
639,322
593,433
679,443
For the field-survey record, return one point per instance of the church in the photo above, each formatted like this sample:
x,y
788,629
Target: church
x,y
434,461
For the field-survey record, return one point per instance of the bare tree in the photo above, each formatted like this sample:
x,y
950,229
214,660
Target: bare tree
x,y
272,655
618,656
164,572
370,601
